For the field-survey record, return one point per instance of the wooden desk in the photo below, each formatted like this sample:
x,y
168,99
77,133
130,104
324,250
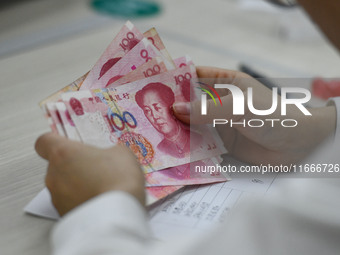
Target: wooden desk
x,y
213,32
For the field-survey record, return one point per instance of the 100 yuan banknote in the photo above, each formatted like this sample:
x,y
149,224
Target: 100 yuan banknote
x,y
143,52
153,67
68,125
153,36
53,113
185,175
183,61
139,115
126,39
154,194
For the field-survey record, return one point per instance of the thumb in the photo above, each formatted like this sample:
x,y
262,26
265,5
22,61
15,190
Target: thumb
x,y
192,112
51,142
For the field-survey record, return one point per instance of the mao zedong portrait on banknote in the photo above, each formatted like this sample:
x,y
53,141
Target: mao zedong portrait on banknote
x,y
156,99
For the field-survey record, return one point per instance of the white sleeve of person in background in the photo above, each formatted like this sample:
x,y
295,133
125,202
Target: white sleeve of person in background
x,y
301,217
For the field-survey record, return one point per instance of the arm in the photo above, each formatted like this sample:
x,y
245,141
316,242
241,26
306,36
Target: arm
x,y
111,223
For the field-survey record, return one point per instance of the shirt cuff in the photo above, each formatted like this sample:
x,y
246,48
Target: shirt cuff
x,y
114,209
335,101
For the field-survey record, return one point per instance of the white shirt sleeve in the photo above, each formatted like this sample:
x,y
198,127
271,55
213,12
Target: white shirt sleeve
x,y
111,223
302,218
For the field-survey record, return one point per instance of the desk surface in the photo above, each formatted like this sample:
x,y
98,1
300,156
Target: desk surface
x,y
213,33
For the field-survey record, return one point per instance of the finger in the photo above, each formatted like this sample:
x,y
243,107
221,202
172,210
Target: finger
x,y
45,143
50,142
214,75
192,112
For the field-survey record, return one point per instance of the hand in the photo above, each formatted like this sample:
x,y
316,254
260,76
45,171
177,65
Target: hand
x,y
262,145
78,172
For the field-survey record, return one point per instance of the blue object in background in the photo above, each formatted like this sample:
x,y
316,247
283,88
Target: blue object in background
x,y
126,8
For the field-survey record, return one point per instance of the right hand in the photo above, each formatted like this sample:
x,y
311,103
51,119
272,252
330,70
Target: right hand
x,y
262,145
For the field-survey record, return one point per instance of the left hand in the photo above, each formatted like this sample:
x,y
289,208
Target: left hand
x,y
269,144
78,172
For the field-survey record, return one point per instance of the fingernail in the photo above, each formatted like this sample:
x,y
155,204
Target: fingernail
x,y
181,108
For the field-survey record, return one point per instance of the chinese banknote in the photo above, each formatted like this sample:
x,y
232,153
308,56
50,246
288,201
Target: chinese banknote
x,y
127,98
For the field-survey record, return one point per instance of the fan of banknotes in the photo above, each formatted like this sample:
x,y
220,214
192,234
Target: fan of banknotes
x,y
126,98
